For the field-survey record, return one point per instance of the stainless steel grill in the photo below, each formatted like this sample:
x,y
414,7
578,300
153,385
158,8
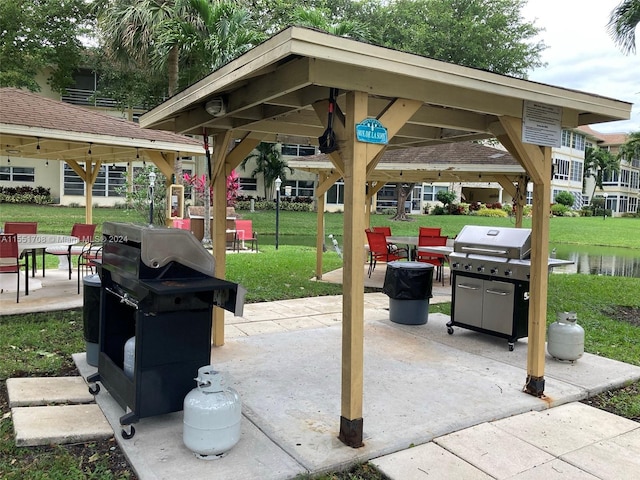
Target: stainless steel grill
x,y
490,275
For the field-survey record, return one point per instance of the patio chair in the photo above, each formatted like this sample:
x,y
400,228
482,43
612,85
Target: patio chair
x,y
245,233
385,230
89,257
85,232
436,259
379,250
26,228
429,231
10,260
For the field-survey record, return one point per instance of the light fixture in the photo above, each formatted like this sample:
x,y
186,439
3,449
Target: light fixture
x,y
137,153
216,107
46,164
8,159
38,146
89,152
439,174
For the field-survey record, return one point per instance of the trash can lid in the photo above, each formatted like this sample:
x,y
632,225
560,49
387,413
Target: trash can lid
x,y
92,280
410,265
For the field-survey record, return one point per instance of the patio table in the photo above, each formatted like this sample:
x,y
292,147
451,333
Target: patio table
x,y
409,241
31,242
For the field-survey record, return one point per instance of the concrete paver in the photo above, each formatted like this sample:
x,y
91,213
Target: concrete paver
x,y
58,424
25,392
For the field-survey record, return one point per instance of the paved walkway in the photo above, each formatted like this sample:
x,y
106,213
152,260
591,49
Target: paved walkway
x,y
435,405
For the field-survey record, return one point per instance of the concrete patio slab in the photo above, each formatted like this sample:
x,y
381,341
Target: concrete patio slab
x,y
493,450
25,392
59,424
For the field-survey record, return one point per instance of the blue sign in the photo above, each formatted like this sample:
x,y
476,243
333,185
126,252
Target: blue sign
x,y
371,130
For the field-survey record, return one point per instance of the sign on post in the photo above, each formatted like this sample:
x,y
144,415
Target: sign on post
x,y
371,130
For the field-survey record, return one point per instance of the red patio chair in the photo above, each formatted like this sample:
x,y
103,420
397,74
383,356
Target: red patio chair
x,y
85,232
245,233
26,228
379,250
429,231
10,260
436,259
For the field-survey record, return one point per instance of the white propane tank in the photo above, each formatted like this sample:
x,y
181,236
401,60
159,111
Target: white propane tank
x,y
212,415
566,337
129,357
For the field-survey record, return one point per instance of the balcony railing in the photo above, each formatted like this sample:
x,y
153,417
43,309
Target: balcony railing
x,y
87,98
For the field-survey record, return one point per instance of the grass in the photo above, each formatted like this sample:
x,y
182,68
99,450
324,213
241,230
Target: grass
x,y
42,344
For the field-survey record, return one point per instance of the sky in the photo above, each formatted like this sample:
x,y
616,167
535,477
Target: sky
x,y
582,56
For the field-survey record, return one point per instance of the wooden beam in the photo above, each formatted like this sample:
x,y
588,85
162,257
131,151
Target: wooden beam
x,y
539,279
529,156
507,184
320,233
327,182
355,159
240,151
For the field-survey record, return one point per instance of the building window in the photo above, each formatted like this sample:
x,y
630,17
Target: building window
x,y
635,180
610,178
577,141
299,188
625,177
633,205
429,192
109,182
529,198
624,203
576,171
335,195
17,174
562,169
298,150
566,138
248,184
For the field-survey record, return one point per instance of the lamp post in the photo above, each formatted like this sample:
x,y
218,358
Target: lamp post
x,y
604,206
152,184
278,184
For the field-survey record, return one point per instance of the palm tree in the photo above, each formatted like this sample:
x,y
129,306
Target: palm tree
x,y
319,19
270,164
600,164
630,149
622,24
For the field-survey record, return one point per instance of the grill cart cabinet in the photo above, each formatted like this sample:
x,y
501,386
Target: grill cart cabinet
x,y
155,287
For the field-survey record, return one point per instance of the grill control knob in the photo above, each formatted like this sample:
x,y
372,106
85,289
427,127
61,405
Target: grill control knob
x,y
507,273
481,268
455,264
467,266
494,271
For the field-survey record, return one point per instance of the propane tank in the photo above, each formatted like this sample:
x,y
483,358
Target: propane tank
x,y
566,337
129,357
212,414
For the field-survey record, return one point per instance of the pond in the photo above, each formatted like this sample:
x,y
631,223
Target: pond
x,y
590,260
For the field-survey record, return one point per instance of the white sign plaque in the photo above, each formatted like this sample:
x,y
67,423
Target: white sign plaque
x,y
541,124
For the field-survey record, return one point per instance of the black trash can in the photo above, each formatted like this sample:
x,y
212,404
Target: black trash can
x,y
91,317
409,287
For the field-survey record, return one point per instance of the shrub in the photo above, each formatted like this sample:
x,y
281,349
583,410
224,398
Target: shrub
x,y
438,210
564,198
26,194
491,212
559,209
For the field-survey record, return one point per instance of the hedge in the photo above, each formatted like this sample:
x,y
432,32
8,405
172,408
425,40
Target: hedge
x,y
26,194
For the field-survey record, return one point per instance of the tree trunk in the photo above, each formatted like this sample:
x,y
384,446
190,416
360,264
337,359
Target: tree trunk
x,y
172,70
402,192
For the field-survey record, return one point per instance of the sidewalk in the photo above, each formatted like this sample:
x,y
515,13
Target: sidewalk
x,y
435,405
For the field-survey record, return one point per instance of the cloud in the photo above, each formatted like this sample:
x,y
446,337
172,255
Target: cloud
x,y
582,56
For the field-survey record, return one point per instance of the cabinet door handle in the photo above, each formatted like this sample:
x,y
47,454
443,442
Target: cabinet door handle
x,y
468,287
497,292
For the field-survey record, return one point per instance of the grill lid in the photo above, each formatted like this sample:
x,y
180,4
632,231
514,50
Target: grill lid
x,y
500,242
160,245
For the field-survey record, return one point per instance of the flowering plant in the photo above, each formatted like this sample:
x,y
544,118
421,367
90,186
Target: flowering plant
x,y
199,183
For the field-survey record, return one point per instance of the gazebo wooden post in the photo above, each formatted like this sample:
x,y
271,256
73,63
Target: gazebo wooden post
x,y
355,168
537,162
320,229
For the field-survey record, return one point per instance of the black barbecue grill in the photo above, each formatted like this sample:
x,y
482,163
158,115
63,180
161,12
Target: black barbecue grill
x,y
156,286
490,275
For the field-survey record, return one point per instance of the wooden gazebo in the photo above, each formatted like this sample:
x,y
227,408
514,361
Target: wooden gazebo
x,y
282,87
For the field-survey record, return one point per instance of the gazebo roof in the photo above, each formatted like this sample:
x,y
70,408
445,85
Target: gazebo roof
x,y
34,126
451,162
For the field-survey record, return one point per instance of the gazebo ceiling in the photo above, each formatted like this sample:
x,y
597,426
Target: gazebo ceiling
x,y
270,92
